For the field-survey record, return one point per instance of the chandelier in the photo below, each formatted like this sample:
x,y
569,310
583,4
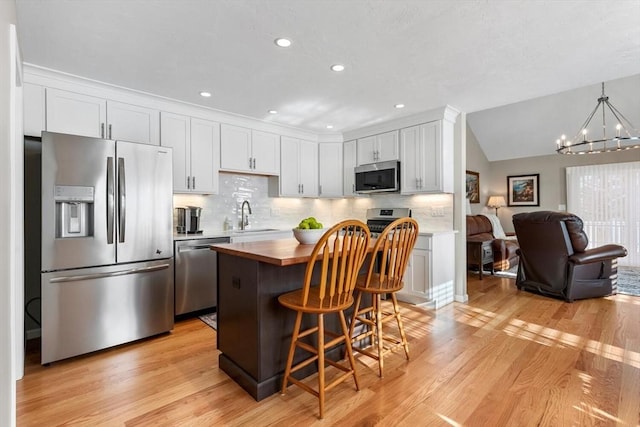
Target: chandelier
x,y
624,139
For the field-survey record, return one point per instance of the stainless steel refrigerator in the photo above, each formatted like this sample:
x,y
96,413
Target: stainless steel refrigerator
x,y
107,247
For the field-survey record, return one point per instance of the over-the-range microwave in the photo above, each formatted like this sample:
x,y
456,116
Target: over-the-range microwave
x,y
378,177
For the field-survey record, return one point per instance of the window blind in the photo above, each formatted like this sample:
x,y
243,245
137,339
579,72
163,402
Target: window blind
x,y
607,198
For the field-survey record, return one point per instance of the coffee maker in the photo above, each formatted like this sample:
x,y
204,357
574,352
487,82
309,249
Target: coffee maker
x,y
188,220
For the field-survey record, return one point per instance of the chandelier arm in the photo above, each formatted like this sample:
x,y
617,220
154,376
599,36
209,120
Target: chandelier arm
x,y
621,118
586,123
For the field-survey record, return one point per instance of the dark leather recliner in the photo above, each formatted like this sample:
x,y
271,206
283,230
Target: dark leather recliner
x,y
553,259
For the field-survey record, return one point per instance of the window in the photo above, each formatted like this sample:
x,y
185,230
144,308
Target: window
x,y
607,198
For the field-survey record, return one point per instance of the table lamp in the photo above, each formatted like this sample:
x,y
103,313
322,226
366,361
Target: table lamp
x,y
496,202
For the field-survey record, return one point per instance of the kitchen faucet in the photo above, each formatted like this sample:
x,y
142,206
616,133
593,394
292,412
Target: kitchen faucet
x,y
244,219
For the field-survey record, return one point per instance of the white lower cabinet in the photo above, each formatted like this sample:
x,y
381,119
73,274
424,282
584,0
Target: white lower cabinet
x,y
298,168
430,276
330,169
196,152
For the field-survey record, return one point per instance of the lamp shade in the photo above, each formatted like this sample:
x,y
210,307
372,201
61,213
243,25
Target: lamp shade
x,y
496,202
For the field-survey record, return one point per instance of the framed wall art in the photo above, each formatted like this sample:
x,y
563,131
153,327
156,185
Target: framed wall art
x,y
523,190
473,186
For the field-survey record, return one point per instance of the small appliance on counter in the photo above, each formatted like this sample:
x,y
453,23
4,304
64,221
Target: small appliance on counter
x,y
188,220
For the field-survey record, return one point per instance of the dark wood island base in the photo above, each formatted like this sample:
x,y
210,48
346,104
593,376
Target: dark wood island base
x,y
254,330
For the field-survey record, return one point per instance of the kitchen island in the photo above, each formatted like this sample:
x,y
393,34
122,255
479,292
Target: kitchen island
x,y
254,330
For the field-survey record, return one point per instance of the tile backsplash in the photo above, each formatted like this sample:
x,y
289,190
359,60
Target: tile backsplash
x,y
434,212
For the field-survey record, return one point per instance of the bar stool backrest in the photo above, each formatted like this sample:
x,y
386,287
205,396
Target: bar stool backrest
x,y
337,257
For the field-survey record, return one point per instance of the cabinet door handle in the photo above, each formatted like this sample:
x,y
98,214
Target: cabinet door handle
x,y
188,182
319,189
101,130
302,185
109,136
249,162
353,188
254,162
193,182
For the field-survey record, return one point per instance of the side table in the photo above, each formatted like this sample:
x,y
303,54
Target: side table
x,y
480,253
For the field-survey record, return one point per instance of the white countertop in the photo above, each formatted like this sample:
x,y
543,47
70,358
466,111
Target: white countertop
x,y
237,233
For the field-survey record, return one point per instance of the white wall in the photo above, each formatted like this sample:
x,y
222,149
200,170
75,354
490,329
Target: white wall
x,y
553,188
477,162
7,191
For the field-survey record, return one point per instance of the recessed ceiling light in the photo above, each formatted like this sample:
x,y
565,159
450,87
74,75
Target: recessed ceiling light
x,y
399,105
283,42
337,67
205,94
329,126
273,112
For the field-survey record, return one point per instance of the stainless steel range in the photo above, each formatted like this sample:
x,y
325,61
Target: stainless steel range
x,y
379,218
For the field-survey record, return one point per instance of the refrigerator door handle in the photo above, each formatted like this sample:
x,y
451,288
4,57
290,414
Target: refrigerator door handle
x,y
112,274
122,208
110,200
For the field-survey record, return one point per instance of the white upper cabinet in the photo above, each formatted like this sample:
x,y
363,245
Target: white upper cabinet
x,y
79,114
330,169
176,133
75,113
427,158
378,148
34,122
266,152
205,156
126,122
196,148
235,148
299,168
246,150
348,164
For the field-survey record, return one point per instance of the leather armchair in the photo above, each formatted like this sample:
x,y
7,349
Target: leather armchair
x,y
554,260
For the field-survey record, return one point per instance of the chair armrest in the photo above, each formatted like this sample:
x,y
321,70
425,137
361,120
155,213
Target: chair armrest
x,y
602,253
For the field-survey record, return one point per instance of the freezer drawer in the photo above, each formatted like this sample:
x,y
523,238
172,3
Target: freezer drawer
x,y
91,309
196,275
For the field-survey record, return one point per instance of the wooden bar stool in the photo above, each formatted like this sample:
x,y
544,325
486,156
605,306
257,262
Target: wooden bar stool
x,y
394,246
339,254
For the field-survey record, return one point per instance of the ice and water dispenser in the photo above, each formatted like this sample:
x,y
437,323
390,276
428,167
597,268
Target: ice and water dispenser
x,y
74,211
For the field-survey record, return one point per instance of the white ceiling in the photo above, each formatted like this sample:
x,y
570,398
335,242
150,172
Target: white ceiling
x,y
475,55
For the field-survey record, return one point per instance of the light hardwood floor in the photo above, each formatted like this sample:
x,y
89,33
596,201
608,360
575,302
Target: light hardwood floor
x,y
506,358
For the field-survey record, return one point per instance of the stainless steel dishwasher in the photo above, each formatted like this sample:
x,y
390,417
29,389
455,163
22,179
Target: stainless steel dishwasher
x,y
196,274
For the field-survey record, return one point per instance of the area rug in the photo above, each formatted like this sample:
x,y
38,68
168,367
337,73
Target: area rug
x,y
210,319
628,279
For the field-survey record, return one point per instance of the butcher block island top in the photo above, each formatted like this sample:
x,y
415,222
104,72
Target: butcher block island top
x,y
280,252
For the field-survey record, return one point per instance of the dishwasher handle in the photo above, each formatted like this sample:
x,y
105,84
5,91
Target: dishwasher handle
x,y
193,248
